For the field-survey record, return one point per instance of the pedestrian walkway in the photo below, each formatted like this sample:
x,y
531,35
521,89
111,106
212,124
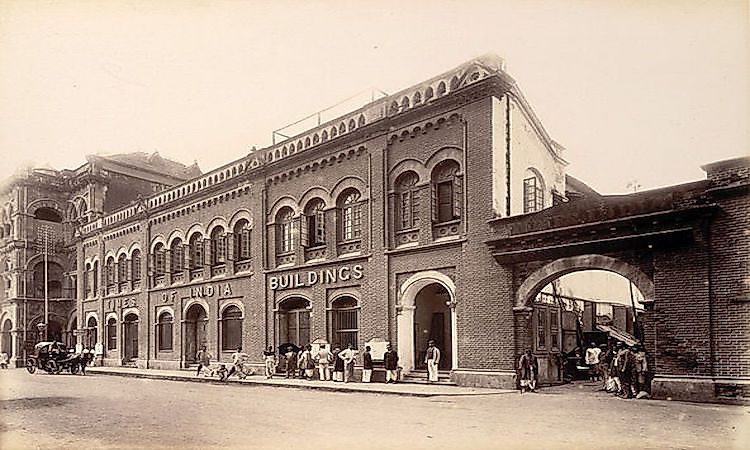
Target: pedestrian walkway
x,y
406,389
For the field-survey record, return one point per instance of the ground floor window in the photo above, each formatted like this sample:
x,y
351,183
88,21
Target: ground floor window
x,y
293,321
344,320
111,334
164,331
231,328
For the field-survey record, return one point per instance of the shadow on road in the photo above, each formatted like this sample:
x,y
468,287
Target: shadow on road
x,y
35,402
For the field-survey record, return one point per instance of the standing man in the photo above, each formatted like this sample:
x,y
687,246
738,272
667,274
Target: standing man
x,y
625,363
269,357
204,360
348,356
306,362
528,368
324,358
592,360
640,369
366,365
390,358
432,359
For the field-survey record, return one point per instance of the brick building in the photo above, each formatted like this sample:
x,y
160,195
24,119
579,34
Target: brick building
x,y
369,228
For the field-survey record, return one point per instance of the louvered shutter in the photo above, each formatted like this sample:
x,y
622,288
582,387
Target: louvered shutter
x,y
207,252
231,246
435,219
304,226
458,196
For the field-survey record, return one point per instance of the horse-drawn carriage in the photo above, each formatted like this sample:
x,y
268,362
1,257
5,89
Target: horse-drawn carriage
x,y
54,357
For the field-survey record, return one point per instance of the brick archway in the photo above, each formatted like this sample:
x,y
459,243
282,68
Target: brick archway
x,y
549,272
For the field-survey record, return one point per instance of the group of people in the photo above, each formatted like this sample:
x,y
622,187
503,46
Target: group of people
x,y
622,370
301,362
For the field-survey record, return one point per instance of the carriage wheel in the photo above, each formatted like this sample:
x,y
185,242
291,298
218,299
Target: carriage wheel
x,y
73,368
31,365
51,366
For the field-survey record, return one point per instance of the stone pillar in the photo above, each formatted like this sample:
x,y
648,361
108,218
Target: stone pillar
x,y
405,331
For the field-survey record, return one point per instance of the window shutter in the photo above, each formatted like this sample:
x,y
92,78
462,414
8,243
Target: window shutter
x,y
151,270
230,246
168,261
188,254
245,243
207,252
304,226
320,226
458,194
433,185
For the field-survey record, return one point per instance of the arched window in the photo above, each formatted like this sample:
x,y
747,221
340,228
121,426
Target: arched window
x,y
95,278
54,280
196,251
159,259
87,281
91,333
533,192
177,256
242,240
122,268
344,320
285,230
447,192
111,333
135,263
314,230
231,328
407,200
350,215
48,215
293,321
164,331
218,246
109,272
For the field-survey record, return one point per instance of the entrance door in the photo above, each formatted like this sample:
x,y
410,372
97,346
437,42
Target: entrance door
x,y
130,337
432,322
196,325
7,338
293,322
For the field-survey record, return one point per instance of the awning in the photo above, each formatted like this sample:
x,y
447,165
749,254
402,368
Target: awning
x,y
618,334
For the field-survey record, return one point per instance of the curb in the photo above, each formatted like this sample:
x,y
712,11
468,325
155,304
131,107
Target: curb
x,y
344,389
236,382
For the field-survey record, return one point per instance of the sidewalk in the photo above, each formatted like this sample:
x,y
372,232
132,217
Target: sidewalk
x,y
404,389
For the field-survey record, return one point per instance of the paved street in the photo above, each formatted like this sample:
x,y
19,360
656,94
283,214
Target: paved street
x,y
100,411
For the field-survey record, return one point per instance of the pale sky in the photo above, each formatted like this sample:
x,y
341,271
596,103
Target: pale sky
x,y
642,90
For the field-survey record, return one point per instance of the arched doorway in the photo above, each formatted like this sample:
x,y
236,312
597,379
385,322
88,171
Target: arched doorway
x,y
432,321
582,311
91,333
130,337
293,321
7,338
426,310
71,336
196,334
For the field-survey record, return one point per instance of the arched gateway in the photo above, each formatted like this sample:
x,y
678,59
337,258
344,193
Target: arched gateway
x,y
426,311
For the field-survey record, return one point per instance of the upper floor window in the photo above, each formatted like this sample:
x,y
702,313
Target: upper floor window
x,y
95,278
406,201
177,256
47,214
533,192
159,259
122,268
242,240
196,251
86,281
447,192
285,230
218,246
135,262
350,215
315,224
109,271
